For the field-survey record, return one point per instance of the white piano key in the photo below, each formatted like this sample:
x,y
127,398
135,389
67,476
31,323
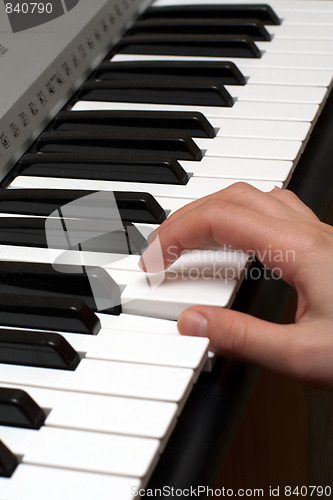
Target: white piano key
x,y
304,17
131,322
297,46
136,347
32,482
83,450
285,61
249,148
299,77
240,168
278,93
195,188
246,109
266,61
261,129
304,31
174,294
252,70
109,378
146,324
116,415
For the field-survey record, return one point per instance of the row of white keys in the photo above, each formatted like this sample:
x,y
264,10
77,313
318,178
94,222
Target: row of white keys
x,y
31,482
100,413
136,347
194,189
132,323
112,378
83,450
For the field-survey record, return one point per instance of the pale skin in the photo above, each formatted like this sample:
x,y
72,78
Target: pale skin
x,y
243,218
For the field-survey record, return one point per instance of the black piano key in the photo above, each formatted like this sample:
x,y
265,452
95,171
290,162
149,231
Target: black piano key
x,y
152,143
192,123
48,313
102,167
23,231
165,91
30,232
262,12
226,71
42,349
62,280
8,461
197,26
17,408
189,45
135,207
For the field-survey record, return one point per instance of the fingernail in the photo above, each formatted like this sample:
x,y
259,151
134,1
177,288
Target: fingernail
x,y
151,260
193,323
152,236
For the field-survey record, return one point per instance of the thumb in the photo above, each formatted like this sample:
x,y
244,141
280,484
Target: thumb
x,y
237,335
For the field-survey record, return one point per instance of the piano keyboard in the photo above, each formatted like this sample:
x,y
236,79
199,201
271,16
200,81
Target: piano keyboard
x,y
102,392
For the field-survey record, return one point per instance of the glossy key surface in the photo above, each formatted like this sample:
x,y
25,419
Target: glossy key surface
x,y
8,461
193,123
257,11
208,92
45,349
47,313
18,409
154,143
226,72
126,167
136,207
76,282
213,26
190,45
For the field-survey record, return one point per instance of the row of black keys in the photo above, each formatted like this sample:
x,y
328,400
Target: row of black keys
x,y
204,30
179,30
60,307
138,207
17,409
153,141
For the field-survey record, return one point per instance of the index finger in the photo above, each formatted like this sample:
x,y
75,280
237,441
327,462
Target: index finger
x,y
227,223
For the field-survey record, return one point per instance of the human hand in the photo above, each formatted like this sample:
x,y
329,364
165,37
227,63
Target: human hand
x,y
243,218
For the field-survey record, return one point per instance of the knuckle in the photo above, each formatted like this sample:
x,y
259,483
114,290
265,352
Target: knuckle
x,y
215,206
241,188
311,238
